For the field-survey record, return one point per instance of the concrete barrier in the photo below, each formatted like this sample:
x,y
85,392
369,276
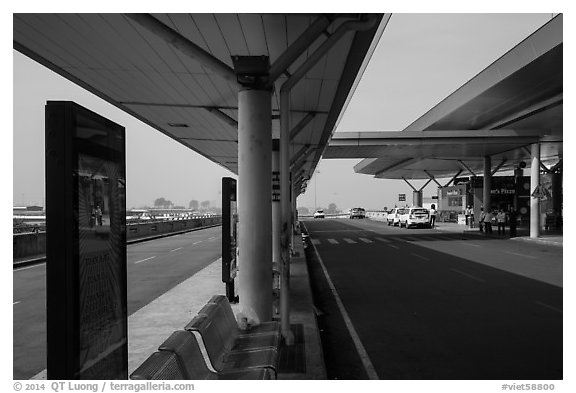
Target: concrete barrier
x,y
28,244
34,244
159,228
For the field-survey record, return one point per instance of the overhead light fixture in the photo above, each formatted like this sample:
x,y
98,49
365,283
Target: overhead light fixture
x,y
251,70
178,125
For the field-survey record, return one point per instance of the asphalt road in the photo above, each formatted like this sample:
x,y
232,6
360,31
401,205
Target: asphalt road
x,y
148,278
425,304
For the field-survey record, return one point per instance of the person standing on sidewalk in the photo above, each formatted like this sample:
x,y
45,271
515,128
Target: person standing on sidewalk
x,y
488,222
501,221
481,220
432,215
469,213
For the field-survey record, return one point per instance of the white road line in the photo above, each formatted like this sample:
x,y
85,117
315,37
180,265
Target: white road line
x,y
520,255
549,307
368,366
212,238
315,241
383,240
349,241
410,239
333,241
393,246
197,242
421,257
468,275
176,249
144,259
339,230
365,240
472,244
15,303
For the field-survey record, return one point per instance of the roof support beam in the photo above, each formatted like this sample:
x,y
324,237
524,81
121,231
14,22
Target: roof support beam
x,y
184,45
544,168
557,166
223,116
431,176
504,160
414,188
301,125
298,47
454,178
461,163
411,186
302,153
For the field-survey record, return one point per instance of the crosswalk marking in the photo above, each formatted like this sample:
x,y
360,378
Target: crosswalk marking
x,y
410,239
333,241
383,240
349,241
315,241
393,246
365,240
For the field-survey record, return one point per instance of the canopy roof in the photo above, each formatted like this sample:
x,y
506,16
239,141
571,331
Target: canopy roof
x,y
514,102
175,72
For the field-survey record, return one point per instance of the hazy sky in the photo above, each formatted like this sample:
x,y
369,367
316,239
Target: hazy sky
x,y
420,59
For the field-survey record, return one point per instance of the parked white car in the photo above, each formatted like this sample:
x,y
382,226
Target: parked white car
x,y
393,217
319,214
415,217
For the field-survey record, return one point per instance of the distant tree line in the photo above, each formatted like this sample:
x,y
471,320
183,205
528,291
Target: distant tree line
x,y
163,203
331,209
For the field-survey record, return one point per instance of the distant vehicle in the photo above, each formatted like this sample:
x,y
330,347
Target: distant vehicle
x,y
415,217
393,218
357,212
319,214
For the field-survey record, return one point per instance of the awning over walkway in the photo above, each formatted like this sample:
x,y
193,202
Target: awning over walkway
x,y
514,102
175,72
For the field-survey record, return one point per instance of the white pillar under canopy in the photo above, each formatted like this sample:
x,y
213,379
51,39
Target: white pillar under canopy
x,y
487,186
534,182
254,202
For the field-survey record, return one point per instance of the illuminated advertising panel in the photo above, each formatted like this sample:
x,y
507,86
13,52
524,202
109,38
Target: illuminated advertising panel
x,y
86,245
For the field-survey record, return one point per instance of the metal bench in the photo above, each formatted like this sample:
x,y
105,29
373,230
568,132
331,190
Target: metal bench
x,y
180,357
221,301
226,350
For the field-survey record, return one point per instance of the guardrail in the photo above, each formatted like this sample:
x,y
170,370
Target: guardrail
x,y
34,243
375,215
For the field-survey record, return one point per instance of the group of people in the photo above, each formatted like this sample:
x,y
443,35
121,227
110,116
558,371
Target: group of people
x,y
96,216
500,217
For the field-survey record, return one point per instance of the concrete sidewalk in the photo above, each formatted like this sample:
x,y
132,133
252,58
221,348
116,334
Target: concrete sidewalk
x,y
153,323
551,238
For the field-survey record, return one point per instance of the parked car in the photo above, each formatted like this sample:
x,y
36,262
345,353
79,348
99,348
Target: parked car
x,y
415,217
319,214
393,217
357,212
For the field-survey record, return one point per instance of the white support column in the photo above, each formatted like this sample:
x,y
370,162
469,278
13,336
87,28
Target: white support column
x,y
487,186
254,203
417,198
276,208
534,182
286,232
